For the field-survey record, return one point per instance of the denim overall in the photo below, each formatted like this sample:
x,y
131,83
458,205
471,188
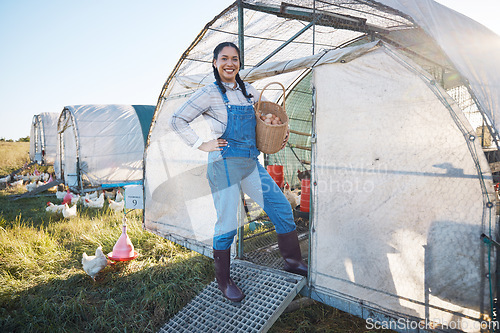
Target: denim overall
x,y
235,168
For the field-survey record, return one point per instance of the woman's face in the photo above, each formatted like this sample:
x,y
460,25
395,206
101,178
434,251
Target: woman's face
x,y
228,64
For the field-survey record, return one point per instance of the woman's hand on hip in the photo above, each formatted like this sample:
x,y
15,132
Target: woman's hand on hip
x,y
213,145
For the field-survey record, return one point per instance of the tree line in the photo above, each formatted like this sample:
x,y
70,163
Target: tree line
x,y
25,139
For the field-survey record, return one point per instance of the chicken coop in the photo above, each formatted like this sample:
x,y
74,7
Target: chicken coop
x,y
384,99
102,145
43,138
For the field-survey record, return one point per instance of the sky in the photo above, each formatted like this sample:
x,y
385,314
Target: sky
x,y
55,53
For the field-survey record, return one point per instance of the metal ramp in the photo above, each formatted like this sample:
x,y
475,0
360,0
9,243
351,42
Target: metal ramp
x,y
38,190
268,292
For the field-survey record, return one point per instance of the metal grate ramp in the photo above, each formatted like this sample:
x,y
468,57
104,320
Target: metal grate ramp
x,y
268,292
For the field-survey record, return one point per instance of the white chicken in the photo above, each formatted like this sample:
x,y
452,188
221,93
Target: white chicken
x,y
51,208
116,206
98,203
17,183
60,194
93,195
292,197
5,179
93,264
45,177
75,199
68,212
119,196
31,186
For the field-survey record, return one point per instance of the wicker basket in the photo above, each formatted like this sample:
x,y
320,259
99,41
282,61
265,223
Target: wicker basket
x,y
270,137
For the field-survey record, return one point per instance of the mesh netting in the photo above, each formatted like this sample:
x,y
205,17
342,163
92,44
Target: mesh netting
x,y
297,155
264,32
268,25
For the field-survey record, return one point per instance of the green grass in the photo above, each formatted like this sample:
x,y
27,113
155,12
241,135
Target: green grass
x,y
43,287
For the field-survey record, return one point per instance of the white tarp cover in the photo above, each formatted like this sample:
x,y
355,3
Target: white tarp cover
x,y
411,174
178,201
473,49
399,205
43,138
106,140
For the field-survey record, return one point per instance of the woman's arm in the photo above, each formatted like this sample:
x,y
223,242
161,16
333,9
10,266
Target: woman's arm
x,y
195,106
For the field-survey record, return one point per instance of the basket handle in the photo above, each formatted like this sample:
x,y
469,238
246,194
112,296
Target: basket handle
x,y
267,85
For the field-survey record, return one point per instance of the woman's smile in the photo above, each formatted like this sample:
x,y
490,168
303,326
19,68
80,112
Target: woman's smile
x,y
228,64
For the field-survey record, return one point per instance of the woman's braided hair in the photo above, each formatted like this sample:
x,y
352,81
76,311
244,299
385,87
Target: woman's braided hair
x,y
240,82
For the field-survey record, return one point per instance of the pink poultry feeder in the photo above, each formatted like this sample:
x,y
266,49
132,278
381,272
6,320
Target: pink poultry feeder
x,y
67,198
123,249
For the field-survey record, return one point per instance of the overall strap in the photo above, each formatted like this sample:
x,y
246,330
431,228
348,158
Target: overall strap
x,y
224,96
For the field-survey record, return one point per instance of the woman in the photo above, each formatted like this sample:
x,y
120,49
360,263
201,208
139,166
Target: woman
x,y
227,105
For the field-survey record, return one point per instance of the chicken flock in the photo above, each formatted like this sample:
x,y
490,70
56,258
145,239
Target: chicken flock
x,y
69,203
30,180
90,200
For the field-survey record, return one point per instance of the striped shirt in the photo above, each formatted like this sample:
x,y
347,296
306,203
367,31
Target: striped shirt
x,y
207,101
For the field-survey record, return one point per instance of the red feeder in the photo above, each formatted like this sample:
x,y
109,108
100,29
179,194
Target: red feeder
x,y
305,192
123,249
276,172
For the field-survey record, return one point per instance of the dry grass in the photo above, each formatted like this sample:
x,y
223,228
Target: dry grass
x,y
13,156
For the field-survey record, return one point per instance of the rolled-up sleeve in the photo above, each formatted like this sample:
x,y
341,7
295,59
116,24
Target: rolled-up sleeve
x,y
195,106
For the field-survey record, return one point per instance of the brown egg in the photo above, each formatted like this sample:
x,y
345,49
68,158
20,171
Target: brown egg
x,y
263,118
274,122
278,118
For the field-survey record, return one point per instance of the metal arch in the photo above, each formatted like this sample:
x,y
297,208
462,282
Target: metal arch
x,y
72,118
178,65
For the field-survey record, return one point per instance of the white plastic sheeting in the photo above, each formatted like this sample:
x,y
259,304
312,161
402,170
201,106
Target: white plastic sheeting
x,y
401,194
100,144
43,138
399,203
178,201
473,49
